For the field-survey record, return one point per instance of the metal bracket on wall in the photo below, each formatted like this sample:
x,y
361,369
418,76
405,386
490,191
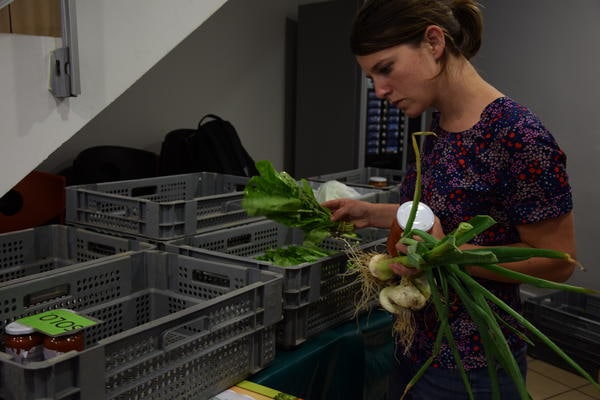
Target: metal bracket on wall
x,y
64,61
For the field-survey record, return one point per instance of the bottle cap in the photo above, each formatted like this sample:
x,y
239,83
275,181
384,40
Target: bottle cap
x,y
424,218
378,181
15,328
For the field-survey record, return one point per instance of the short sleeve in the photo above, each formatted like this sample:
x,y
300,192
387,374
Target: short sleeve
x,y
536,187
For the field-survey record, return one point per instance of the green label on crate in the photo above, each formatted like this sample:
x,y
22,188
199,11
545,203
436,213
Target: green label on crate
x,y
57,322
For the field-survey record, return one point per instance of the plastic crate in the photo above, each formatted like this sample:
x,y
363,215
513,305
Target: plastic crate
x,y
44,248
572,321
330,310
174,328
168,207
316,295
161,208
360,176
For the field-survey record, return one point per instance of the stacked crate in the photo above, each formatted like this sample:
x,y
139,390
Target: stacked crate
x,y
169,207
161,208
121,221
172,327
188,213
572,321
316,295
45,248
182,316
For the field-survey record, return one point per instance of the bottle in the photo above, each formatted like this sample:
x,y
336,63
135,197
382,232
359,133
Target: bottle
x,y
23,343
57,345
378,181
424,218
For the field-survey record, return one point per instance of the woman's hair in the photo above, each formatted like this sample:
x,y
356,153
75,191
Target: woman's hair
x,y
381,24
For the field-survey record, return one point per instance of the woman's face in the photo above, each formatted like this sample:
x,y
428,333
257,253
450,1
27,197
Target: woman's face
x,y
404,75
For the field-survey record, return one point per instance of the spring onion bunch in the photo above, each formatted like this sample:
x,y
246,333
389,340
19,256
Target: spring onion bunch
x,y
442,269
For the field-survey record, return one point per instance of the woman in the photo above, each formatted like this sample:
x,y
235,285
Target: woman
x,y
490,156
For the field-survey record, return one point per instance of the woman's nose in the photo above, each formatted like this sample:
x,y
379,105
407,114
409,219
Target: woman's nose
x,y
381,90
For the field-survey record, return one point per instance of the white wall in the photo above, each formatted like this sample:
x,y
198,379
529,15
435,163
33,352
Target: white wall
x,y
545,54
232,66
118,42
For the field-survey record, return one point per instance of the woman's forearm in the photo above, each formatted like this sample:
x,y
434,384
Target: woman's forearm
x,y
382,215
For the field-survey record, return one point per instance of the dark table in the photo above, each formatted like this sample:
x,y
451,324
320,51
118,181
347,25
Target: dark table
x,y
350,361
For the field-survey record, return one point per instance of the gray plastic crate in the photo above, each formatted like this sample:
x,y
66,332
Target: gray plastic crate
x,y
360,176
301,323
161,208
174,327
308,289
44,248
168,207
572,321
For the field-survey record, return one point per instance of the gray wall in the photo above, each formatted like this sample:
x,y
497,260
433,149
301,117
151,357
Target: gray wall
x,y
328,90
545,54
232,65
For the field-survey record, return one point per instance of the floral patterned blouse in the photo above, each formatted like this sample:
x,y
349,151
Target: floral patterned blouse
x,y
507,166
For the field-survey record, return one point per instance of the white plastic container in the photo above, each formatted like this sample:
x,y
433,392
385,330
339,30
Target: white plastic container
x,y
424,218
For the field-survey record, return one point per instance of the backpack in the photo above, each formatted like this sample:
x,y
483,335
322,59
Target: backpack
x,y
213,147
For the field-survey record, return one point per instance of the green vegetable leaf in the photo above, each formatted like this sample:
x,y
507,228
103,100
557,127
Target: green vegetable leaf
x,y
278,196
294,255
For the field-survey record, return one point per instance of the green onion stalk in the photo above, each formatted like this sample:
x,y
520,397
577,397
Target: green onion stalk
x,y
442,267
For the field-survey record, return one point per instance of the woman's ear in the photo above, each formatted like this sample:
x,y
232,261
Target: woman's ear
x,y
435,40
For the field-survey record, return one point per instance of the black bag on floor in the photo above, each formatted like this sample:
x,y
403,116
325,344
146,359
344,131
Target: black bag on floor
x,y
214,147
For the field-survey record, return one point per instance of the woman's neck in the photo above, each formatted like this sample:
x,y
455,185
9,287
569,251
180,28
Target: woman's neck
x,y
464,94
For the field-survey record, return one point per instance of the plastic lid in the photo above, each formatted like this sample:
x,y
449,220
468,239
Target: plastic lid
x,y
15,328
423,220
380,179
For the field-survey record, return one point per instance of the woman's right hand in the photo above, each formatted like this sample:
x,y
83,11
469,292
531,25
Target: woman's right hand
x,y
361,213
349,210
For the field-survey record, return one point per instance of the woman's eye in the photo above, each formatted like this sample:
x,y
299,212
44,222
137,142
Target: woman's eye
x,y
386,69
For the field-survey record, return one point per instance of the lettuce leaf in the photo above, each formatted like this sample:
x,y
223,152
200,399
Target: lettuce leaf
x,y
294,255
278,196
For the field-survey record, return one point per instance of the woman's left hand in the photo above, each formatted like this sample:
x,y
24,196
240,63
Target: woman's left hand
x,y
395,247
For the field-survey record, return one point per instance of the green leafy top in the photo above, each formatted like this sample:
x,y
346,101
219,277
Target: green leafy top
x,y
278,196
295,255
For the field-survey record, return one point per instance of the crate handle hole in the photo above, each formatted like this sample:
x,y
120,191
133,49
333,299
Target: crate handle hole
x,y
211,278
100,248
143,191
46,295
238,240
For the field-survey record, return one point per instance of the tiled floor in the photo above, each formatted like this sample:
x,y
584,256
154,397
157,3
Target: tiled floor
x,y
545,381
